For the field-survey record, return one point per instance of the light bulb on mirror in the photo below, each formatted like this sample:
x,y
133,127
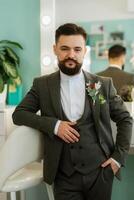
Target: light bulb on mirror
x,y
46,60
46,20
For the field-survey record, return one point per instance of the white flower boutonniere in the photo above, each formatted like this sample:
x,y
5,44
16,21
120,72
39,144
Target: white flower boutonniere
x,y
93,91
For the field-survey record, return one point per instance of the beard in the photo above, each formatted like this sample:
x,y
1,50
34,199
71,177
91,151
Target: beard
x,y
69,71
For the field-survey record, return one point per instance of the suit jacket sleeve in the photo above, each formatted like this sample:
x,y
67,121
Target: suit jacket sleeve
x,y
26,113
121,116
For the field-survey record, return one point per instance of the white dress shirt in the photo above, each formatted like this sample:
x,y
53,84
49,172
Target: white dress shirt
x,y
72,90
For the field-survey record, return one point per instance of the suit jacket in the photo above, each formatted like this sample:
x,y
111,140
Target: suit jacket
x,y
119,77
45,96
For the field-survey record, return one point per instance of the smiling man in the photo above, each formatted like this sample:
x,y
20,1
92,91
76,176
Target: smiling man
x,y
80,157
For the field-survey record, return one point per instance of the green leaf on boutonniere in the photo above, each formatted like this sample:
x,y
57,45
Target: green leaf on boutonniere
x,y
101,99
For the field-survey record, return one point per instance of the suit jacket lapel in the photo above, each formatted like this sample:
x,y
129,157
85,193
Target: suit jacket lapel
x,y
54,88
89,78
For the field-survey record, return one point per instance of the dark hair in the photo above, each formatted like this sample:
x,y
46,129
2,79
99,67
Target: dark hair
x,y
70,29
116,51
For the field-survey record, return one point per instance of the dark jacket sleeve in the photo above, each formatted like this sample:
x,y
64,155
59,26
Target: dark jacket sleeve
x,y
123,120
26,113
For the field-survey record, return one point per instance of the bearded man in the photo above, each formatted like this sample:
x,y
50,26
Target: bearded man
x,y
80,157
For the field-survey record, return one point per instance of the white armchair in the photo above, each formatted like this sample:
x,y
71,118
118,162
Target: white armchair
x,y
20,161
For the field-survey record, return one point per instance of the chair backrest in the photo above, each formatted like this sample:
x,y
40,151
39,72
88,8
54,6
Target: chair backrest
x,y
23,146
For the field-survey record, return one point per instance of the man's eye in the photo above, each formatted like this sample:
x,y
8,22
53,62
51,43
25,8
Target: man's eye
x,y
77,50
64,49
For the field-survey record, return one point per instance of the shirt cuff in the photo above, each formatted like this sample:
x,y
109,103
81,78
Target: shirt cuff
x,y
117,163
56,127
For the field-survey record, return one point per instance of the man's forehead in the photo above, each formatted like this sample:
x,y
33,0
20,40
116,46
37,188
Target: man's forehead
x,y
71,40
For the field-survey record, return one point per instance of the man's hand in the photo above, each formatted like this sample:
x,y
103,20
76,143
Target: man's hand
x,y
111,162
67,133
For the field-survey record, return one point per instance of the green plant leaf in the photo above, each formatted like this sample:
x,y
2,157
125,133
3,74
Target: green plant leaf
x,y
9,62
2,57
18,80
2,49
1,84
8,42
10,69
12,55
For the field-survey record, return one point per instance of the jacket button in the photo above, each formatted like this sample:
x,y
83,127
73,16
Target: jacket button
x,y
80,147
74,164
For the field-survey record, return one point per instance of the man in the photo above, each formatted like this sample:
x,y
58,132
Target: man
x,y
79,156
116,57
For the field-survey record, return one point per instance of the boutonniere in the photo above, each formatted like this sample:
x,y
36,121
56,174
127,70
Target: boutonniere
x,y
93,91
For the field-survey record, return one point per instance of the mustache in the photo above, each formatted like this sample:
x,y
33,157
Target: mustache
x,y
70,59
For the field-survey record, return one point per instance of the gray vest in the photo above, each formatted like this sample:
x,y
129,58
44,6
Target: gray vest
x,y
86,155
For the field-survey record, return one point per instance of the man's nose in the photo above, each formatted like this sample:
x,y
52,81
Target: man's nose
x,y
71,54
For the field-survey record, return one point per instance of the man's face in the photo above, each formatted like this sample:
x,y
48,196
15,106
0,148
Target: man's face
x,y
70,51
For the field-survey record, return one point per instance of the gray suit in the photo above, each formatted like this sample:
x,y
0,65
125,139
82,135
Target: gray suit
x,y
119,77
45,96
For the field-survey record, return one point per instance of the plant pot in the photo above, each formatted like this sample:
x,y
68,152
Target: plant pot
x,y
130,107
3,96
14,98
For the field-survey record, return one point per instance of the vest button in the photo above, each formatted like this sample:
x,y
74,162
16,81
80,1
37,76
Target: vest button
x,y
80,147
74,164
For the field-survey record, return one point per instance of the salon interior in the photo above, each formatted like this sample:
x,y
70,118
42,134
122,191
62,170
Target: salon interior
x,y
32,24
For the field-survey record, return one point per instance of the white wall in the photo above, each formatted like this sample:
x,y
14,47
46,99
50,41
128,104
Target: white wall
x,y
90,10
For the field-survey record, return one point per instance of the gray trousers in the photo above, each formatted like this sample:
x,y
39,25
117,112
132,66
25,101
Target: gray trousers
x,y
94,186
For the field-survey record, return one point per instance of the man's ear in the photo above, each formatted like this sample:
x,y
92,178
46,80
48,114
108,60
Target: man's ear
x,y
54,49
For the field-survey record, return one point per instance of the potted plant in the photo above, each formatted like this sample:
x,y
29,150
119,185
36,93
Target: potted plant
x,y
127,94
9,63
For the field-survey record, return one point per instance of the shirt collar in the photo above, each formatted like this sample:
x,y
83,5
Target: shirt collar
x,y
65,77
